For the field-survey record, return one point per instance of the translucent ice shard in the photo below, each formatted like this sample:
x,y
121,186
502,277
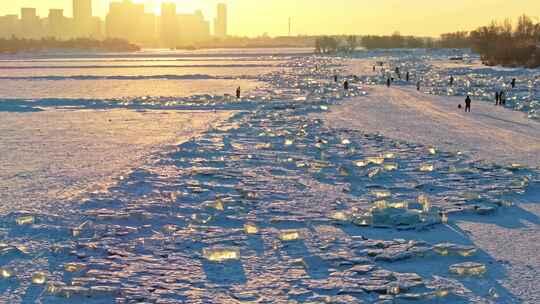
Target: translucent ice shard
x,y
74,267
468,269
390,166
381,193
424,201
251,228
289,235
221,254
339,216
25,220
39,278
427,168
5,273
375,160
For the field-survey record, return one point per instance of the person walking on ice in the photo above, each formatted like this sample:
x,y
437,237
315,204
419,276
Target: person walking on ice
x,y
388,82
238,93
346,85
468,104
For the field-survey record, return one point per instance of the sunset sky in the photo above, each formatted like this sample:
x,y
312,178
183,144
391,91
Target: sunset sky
x,y
255,17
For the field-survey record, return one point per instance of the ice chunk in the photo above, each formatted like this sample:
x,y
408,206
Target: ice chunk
x,y
170,228
39,278
427,168
74,267
454,249
468,268
365,219
251,228
374,172
221,254
375,160
5,273
361,163
381,193
25,220
424,201
392,289
288,142
390,166
289,235
389,155
339,216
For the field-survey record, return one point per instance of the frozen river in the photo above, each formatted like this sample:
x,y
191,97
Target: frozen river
x,y
139,179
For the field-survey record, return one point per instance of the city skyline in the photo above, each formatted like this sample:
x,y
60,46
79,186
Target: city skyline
x,y
125,19
253,18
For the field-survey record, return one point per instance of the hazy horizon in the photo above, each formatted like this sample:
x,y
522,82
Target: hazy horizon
x,y
253,18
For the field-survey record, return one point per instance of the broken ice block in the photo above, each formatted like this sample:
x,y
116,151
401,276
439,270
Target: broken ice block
x,y
221,254
380,204
444,217
389,155
25,220
5,273
468,268
39,278
339,216
390,166
381,193
432,151
365,219
392,289
345,141
374,172
250,228
375,160
74,267
288,142
289,235
201,218
361,163
170,228
427,168
424,201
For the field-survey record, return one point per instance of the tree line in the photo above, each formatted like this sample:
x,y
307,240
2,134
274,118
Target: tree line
x,y
15,45
500,43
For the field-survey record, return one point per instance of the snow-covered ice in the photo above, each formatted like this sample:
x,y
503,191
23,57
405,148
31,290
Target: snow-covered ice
x,y
270,201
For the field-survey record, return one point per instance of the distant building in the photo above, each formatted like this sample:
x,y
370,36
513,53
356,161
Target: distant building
x,y
56,24
82,18
220,23
9,26
193,28
30,23
169,25
125,21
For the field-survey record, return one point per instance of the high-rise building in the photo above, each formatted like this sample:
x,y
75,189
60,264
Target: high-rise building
x,y
169,25
82,17
30,23
125,21
193,28
220,23
56,24
9,26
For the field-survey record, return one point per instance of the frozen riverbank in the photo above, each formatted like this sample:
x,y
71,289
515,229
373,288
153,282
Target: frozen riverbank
x,y
274,205
488,133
